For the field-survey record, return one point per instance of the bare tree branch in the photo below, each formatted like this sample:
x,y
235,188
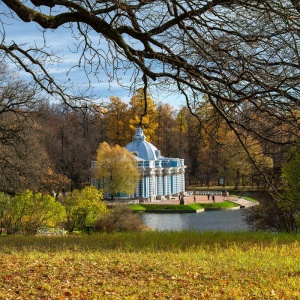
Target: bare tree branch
x,y
234,51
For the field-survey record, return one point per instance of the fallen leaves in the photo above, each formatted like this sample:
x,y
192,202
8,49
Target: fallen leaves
x,y
197,273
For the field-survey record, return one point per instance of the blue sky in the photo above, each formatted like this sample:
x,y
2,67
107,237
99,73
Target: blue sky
x,y
61,40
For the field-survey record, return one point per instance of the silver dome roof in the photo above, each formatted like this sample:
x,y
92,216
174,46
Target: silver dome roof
x,y
141,148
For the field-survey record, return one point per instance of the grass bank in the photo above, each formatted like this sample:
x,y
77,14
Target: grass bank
x,y
151,265
177,207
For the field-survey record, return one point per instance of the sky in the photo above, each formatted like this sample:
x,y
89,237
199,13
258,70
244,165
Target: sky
x,y
61,41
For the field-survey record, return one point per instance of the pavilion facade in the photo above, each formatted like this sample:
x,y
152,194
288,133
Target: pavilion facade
x,y
161,177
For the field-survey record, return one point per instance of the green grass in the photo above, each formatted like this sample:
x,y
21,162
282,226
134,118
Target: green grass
x,y
189,207
151,265
249,199
137,207
244,197
224,204
165,207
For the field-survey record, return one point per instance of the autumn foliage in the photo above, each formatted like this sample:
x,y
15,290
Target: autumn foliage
x,y
117,169
151,265
28,212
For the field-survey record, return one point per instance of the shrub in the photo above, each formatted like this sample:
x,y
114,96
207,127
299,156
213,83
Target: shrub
x,y
120,218
28,211
83,208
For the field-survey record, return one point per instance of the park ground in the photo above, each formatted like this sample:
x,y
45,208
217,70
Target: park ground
x,y
189,199
151,265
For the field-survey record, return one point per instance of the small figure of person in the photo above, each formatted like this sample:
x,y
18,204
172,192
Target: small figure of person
x,y
181,200
208,195
195,199
213,198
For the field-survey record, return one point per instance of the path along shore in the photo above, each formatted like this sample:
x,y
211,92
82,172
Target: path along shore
x,y
204,199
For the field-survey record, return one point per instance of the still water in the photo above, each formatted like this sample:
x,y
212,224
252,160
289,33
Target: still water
x,y
229,220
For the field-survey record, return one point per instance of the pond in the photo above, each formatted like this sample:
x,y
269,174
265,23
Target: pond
x,y
228,220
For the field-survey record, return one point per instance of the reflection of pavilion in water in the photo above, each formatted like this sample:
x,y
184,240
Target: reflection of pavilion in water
x,y
162,177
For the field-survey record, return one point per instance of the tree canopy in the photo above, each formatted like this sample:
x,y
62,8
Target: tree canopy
x,y
143,113
237,52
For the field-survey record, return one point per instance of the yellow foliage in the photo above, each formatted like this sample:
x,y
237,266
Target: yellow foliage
x,y
117,167
148,114
117,121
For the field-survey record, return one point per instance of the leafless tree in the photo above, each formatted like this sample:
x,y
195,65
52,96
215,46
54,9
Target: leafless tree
x,y
242,54
16,101
234,51
70,138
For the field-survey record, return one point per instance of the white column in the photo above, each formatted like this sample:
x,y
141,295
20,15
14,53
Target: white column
x,y
182,180
160,185
178,181
147,186
165,183
154,185
169,185
151,186
141,187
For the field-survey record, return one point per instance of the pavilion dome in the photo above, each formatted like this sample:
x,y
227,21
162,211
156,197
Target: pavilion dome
x,y
141,148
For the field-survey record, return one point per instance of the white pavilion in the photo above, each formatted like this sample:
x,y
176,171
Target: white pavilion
x,y
161,177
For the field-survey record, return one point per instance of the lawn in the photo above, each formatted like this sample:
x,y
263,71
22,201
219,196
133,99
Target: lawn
x,y
151,265
219,205
188,207
164,207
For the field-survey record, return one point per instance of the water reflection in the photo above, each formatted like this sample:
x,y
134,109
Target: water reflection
x,y
230,220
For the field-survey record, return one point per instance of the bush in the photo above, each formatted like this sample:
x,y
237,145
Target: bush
x,y
275,215
28,211
83,208
120,218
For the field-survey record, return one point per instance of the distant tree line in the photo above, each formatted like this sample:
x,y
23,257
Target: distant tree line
x,y
49,147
